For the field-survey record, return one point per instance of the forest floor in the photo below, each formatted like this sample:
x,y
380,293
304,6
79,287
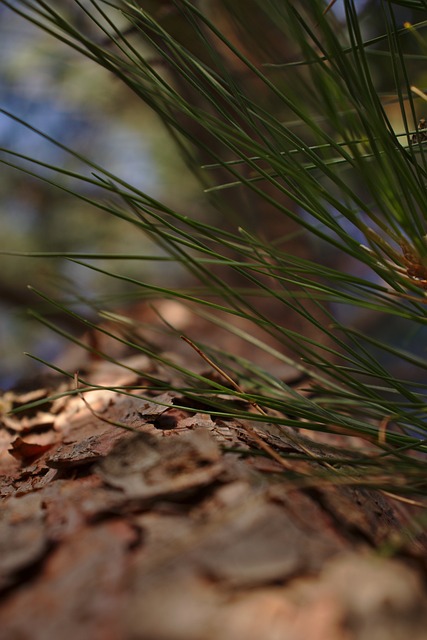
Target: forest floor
x,y
178,529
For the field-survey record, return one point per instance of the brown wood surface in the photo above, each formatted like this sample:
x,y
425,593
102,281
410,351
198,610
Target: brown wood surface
x,y
166,533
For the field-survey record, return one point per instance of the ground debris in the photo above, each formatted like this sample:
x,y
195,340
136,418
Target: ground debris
x,y
146,468
177,529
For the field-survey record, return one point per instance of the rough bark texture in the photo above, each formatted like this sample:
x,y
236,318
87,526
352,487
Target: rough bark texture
x,y
164,533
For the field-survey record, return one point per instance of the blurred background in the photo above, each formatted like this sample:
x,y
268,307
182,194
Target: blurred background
x,y
72,100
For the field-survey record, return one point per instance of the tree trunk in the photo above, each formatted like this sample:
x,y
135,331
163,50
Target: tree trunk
x,y
180,530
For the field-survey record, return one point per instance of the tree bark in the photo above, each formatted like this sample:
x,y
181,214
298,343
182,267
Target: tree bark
x,y
180,530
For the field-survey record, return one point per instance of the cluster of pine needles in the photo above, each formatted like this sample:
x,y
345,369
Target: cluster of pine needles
x,y
295,119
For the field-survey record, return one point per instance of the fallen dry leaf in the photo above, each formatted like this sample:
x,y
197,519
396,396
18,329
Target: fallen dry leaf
x,y
28,451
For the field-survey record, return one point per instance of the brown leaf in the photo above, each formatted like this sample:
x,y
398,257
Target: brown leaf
x,y
28,451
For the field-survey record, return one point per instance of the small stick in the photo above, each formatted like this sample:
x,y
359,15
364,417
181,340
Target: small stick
x,y
259,441
382,429
221,372
97,415
330,5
